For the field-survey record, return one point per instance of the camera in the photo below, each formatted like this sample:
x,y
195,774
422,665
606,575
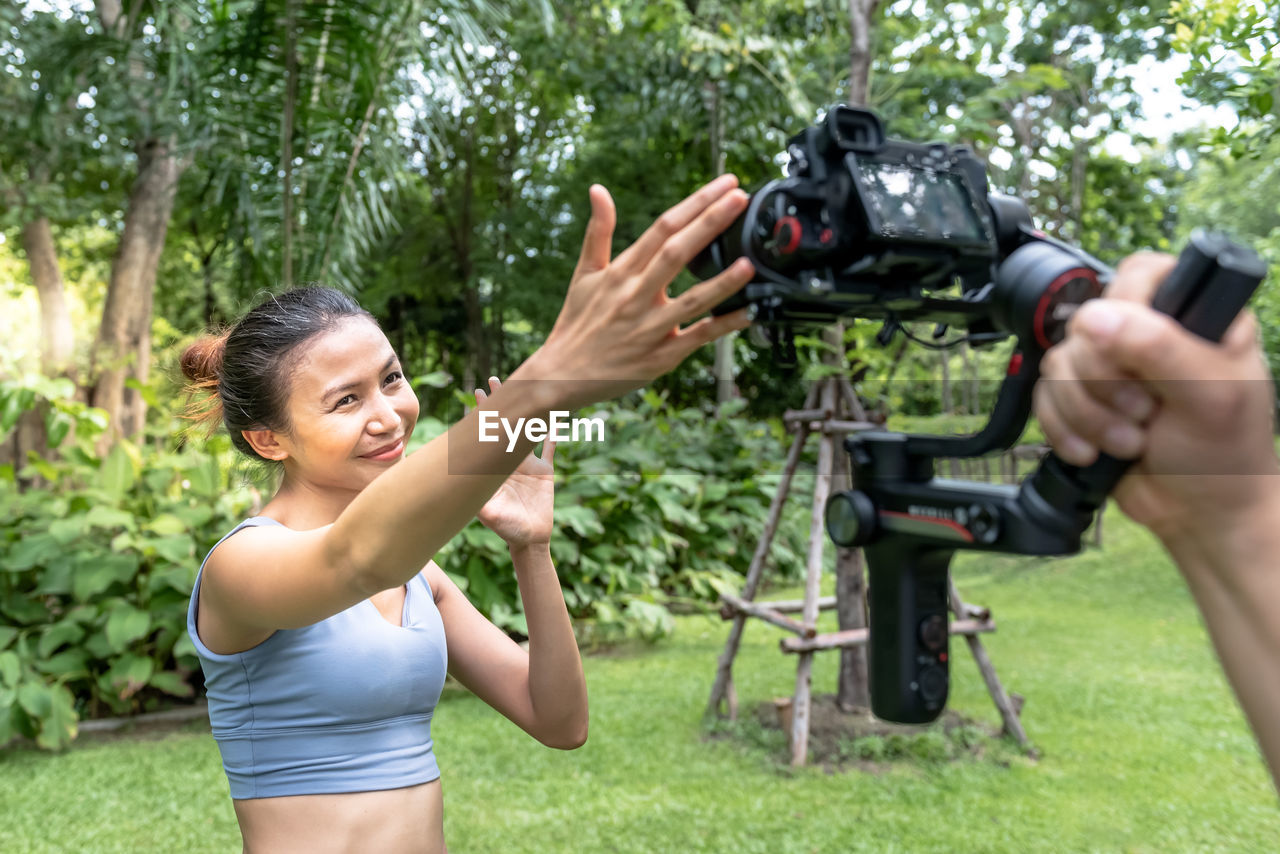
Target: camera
x,y
864,226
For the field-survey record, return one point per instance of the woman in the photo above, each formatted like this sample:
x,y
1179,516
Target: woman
x,y
322,625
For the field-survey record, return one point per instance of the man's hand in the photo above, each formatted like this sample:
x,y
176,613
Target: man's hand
x,y
1197,416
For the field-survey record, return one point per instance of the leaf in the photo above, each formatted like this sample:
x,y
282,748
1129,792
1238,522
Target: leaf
x,y
31,551
72,663
24,611
58,726
7,634
167,524
36,699
183,647
109,518
125,625
128,675
177,550
10,668
97,576
118,473
57,425
69,529
55,636
582,520
171,683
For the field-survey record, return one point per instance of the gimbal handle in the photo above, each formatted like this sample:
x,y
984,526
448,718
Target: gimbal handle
x,y
1211,283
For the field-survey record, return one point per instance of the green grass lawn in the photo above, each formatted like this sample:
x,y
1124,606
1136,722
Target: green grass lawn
x,y
1143,748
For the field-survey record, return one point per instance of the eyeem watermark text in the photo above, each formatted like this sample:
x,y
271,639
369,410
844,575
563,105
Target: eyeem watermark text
x,y
559,429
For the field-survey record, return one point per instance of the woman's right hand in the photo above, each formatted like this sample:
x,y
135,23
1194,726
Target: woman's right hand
x,y
618,328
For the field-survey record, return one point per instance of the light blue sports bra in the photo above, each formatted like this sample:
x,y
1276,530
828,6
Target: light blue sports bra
x,y
342,705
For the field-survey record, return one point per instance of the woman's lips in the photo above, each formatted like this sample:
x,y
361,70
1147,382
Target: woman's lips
x,y
386,452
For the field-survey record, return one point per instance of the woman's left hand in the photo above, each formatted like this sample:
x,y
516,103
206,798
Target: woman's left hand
x,y
521,510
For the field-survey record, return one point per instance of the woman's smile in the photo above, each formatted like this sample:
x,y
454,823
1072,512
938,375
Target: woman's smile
x,y
386,452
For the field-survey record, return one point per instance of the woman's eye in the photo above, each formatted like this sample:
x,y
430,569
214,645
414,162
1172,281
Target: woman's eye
x,y
394,376
349,398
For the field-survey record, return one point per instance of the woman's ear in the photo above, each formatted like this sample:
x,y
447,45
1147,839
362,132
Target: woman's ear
x,y
267,443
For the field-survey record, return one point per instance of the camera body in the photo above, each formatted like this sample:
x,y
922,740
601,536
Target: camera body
x,y
870,227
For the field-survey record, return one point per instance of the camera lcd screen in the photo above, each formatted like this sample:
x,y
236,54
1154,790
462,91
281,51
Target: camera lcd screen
x,y
911,202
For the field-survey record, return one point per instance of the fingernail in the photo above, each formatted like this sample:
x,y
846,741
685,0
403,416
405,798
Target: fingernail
x,y
1124,440
1075,450
1099,320
1135,403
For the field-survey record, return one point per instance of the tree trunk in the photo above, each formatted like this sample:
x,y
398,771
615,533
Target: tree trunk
x,y
860,14
286,139
946,382
57,337
852,683
123,347
724,370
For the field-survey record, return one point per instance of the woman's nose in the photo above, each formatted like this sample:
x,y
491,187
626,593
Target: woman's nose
x,y
385,418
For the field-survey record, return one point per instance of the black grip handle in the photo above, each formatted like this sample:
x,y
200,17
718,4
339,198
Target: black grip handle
x,y
1212,281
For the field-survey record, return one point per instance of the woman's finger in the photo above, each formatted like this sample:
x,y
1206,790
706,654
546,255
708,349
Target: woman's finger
x,y
679,249
684,342
597,244
673,220
703,297
549,451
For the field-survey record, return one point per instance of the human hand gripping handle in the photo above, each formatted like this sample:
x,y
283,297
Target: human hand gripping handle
x,y
618,328
1131,382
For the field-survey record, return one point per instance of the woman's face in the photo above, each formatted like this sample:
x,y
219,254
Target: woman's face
x,y
350,409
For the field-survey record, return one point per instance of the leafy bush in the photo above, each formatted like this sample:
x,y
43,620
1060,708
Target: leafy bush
x,y
96,570
666,511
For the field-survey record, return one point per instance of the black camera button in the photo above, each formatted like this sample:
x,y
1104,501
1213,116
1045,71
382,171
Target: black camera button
x,y
933,685
933,632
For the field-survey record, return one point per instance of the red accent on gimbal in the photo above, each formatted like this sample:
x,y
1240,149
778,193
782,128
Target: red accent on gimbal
x,y
1037,323
793,242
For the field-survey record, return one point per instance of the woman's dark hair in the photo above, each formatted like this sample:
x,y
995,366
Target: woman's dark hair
x,y
241,376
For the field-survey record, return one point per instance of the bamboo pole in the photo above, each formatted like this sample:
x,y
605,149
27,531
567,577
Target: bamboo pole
x,y
1008,714
813,582
858,637
734,606
722,687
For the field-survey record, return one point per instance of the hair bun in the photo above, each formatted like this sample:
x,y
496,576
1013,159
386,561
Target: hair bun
x,y
202,361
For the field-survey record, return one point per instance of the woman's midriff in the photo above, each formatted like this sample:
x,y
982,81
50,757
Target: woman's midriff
x,y
396,821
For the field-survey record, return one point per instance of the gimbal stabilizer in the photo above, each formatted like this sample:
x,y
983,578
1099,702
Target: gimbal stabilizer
x,y
864,227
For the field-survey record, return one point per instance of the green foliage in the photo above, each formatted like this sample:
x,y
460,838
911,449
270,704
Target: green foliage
x,y
1231,46
96,568
665,512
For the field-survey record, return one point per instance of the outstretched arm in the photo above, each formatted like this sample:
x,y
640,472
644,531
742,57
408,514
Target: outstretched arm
x,y
618,330
1199,418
